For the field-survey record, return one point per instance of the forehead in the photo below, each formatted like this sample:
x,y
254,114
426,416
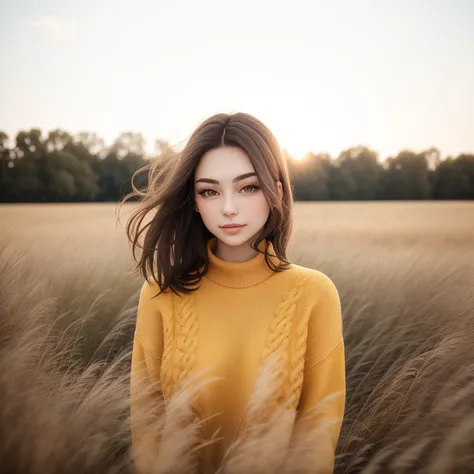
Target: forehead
x,y
223,163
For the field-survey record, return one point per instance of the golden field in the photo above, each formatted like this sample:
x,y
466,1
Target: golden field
x,y
405,275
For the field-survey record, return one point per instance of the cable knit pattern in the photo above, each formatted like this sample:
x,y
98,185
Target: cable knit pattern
x,y
167,360
298,346
187,330
278,342
179,356
181,342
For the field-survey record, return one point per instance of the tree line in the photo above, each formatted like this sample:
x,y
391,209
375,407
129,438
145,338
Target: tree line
x,y
60,167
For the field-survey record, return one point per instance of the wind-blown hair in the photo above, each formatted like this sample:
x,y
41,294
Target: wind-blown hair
x,y
175,238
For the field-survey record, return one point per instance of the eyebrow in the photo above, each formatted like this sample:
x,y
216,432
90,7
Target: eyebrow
x,y
237,178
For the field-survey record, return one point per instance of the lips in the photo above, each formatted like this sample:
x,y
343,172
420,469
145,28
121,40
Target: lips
x,y
231,226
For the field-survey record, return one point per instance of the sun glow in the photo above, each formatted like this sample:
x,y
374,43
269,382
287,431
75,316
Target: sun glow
x,y
292,137
297,153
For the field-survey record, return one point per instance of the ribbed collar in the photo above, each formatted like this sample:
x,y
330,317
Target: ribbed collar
x,y
239,274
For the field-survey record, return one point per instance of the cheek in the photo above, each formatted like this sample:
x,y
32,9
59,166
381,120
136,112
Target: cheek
x,y
207,208
258,206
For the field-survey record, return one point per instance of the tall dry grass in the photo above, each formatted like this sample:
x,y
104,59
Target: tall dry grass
x,y
408,304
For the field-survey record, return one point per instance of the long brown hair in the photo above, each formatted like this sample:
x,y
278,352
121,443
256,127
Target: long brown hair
x,y
175,238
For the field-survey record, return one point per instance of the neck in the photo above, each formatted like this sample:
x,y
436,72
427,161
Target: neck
x,y
242,253
240,274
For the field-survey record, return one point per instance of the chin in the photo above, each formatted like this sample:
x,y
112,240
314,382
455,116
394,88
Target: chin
x,y
237,240
232,240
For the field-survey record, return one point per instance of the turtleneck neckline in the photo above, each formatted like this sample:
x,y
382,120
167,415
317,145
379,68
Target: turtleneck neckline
x,y
239,274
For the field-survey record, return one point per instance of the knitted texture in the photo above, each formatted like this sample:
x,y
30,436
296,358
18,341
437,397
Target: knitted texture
x,y
167,359
286,339
187,330
297,352
179,356
180,347
280,338
289,352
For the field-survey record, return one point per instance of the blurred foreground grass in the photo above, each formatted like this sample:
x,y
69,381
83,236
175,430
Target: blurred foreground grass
x,y
405,274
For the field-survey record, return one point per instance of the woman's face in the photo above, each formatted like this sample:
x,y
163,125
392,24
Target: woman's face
x,y
227,191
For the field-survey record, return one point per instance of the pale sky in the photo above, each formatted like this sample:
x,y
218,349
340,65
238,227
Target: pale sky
x,y
323,75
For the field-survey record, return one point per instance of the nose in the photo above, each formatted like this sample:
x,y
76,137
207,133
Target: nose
x,y
230,206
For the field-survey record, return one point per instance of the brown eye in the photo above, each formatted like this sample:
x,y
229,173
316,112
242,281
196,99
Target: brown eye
x,y
250,188
205,192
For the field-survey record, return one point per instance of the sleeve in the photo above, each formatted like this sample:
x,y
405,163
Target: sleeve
x,y
323,396
146,401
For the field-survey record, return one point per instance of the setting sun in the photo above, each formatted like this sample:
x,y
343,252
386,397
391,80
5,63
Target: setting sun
x,y
297,153
293,140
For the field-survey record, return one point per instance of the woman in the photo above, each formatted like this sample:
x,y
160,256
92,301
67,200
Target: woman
x,y
226,299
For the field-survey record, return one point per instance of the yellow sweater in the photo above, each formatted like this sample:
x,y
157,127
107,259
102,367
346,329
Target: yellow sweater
x,y
241,314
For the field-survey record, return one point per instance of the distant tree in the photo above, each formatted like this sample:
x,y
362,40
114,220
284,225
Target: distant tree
x,y
311,177
433,157
88,148
27,176
69,179
63,167
406,177
128,143
6,164
29,143
91,143
342,184
57,140
454,178
117,168
357,175
26,185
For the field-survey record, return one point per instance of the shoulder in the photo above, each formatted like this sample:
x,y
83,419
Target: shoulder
x,y
150,291
318,286
152,306
325,323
